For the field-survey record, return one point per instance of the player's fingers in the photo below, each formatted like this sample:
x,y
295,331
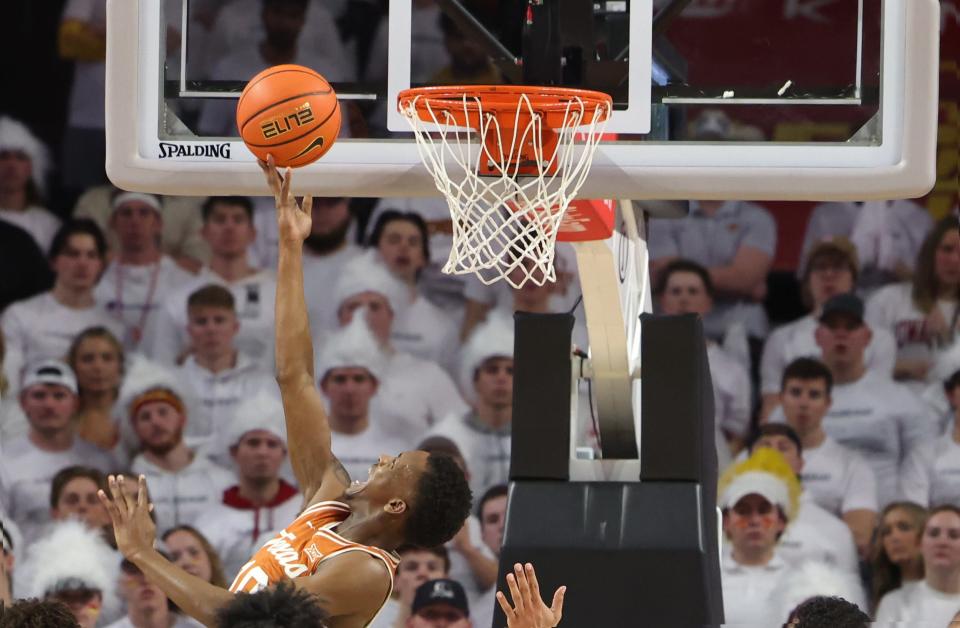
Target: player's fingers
x,y
523,584
285,186
515,592
116,496
273,177
142,492
557,607
504,604
128,501
532,581
109,505
307,204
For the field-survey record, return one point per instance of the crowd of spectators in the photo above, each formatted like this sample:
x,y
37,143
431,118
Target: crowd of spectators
x,y
137,337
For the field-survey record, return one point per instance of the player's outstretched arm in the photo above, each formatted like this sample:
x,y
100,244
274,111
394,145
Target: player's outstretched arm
x,y
136,533
308,432
529,610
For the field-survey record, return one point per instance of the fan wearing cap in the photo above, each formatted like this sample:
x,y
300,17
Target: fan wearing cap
x,y
831,269
156,412
414,393
28,464
140,277
24,161
439,604
260,502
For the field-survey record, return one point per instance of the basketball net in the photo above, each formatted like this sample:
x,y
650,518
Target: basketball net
x,y
508,172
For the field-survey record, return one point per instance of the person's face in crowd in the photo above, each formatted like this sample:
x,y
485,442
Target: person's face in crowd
x,y
282,22
753,524
78,266
416,567
684,293
842,339
900,537
97,365
493,381
228,230
377,309
493,519
259,455
786,447
829,276
947,259
159,426
138,226
84,605
940,544
212,329
329,215
49,407
16,169
804,402
79,500
439,616
401,247
349,390
187,553
142,597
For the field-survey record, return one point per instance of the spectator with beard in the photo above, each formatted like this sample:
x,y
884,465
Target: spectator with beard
x,y
191,551
147,604
155,409
96,356
417,565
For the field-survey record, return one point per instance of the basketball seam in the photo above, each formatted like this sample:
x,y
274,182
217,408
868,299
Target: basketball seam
x,y
310,73
299,137
279,102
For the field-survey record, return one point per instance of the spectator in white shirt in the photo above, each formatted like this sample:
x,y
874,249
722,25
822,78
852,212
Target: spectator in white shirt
x,y
260,503
685,287
228,229
28,464
43,326
147,604
924,314
155,409
417,565
424,330
835,477
895,558
192,552
140,277
936,598
831,269
96,356
24,162
931,474
871,414
219,375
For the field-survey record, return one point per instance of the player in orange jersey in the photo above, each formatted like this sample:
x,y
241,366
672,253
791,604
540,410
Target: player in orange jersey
x,y
340,548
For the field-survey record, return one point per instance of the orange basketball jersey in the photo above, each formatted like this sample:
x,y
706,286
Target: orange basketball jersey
x,y
300,548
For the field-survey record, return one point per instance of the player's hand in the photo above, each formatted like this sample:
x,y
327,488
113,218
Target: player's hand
x,y
529,611
133,528
293,219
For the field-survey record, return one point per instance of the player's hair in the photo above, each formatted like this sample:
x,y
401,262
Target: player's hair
x,y
926,286
244,202
776,429
67,474
217,578
78,226
439,551
684,266
886,574
212,295
394,215
807,369
827,612
442,503
497,490
282,607
93,332
34,613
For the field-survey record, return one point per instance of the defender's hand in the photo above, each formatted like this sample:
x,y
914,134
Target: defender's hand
x,y
293,219
132,526
529,611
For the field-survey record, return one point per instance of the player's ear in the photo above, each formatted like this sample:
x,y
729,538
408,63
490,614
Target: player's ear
x,y
395,506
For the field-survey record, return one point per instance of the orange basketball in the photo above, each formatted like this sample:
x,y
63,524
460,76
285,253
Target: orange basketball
x,y
291,112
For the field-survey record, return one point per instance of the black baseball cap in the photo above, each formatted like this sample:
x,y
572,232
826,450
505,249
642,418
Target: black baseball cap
x,y
847,304
441,591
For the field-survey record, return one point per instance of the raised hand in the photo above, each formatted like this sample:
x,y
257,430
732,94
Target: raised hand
x,y
133,528
529,610
293,219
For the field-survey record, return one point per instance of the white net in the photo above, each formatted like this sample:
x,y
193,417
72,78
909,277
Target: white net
x,y
506,183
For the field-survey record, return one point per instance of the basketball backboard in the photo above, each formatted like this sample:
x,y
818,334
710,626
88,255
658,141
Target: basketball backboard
x,y
713,99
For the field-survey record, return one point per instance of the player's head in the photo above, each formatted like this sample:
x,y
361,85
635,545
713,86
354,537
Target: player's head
x,y
281,607
34,613
805,394
831,269
228,225
212,320
423,496
684,287
827,612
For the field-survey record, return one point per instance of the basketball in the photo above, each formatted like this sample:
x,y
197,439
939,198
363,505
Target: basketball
x,y
291,112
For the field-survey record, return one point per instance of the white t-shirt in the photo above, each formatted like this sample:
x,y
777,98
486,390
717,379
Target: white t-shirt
x,y
358,452
180,621
918,605
26,472
749,591
838,479
815,534
133,294
931,474
254,301
89,77
182,497
37,221
731,391
796,340
427,332
486,450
